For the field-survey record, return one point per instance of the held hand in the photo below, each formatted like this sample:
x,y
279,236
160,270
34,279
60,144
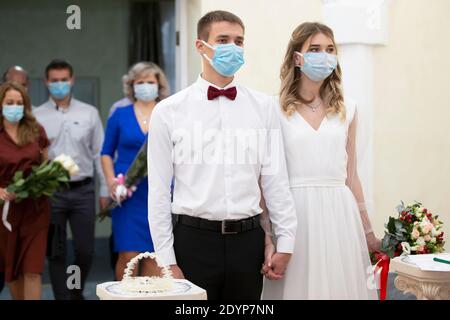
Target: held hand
x,y
269,251
266,269
280,262
6,196
104,202
270,274
373,243
112,192
176,272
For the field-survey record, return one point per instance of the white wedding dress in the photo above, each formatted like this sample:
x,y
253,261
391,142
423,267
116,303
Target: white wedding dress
x,y
331,258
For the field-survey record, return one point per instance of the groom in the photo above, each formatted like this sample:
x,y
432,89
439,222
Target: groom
x,y
218,139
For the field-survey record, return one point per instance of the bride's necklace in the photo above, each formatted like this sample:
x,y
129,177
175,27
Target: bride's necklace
x,y
143,119
314,107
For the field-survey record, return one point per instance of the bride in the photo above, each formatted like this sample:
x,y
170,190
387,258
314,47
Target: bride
x,y
334,236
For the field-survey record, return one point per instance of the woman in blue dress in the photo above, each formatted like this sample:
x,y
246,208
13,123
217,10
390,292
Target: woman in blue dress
x,y
126,132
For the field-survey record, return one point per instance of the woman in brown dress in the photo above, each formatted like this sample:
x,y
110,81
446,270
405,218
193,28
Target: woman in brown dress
x,y
23,144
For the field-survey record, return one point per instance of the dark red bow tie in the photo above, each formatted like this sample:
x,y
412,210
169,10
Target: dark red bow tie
x,y
230,93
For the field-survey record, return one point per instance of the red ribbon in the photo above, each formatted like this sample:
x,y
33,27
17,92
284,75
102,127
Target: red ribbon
x,y
383,265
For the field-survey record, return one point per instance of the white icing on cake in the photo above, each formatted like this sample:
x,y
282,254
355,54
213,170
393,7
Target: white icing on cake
x,y
146,284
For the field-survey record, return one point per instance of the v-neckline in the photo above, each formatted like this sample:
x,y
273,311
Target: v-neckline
x,y
16,143
308,124
137,122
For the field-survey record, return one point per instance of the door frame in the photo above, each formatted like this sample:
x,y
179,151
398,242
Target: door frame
x,y
181,49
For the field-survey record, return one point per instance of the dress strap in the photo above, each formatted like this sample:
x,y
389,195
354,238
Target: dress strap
x,y
350,108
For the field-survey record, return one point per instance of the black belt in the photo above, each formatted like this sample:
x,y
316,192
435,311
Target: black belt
x,y
224,227
77,184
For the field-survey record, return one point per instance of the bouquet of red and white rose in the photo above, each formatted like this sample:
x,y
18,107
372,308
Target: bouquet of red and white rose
x,y
416,230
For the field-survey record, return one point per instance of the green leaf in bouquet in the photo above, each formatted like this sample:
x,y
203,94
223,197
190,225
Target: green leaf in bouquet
x,y
18,175
400,238
391,253
23,194
36,187
402,229
417,204
37,169
52,185
44,170
63,179
391,225
57,164
58,170
400,208
398,225
19,183
385,243
53,170
398,235
11,188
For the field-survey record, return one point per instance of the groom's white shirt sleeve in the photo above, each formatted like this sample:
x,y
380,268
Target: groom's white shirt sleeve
x,y
275,185
160,173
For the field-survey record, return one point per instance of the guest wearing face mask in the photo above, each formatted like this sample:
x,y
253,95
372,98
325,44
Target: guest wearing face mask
x,y
23,144
74,128
126,132
18,74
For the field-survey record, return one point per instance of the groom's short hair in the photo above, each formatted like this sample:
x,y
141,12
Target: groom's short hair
x,y
205,22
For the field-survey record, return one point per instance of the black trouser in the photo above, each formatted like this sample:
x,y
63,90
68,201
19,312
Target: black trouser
x,y
226,266
77,206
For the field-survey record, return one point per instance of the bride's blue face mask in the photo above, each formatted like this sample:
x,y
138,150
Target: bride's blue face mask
x,y
227,59
318,65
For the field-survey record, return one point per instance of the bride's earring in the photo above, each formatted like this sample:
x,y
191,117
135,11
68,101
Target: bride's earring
x,y
298,66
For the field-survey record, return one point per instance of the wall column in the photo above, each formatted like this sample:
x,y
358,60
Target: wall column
x,y
359,26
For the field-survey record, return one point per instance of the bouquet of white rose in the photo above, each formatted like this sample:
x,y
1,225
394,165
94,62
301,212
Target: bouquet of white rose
x,y
43,180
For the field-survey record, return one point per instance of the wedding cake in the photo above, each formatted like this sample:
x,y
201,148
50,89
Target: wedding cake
x,y
149,288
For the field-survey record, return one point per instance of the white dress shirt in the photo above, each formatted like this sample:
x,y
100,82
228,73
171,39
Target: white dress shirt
x,y
76,131
216,151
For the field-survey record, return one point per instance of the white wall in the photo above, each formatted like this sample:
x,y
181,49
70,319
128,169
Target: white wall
x,y
412,113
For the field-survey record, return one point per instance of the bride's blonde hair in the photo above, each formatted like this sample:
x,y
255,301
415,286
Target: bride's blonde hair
x,y
330,91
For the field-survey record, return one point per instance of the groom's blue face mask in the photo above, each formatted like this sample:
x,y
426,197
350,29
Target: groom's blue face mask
x,y
227,59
